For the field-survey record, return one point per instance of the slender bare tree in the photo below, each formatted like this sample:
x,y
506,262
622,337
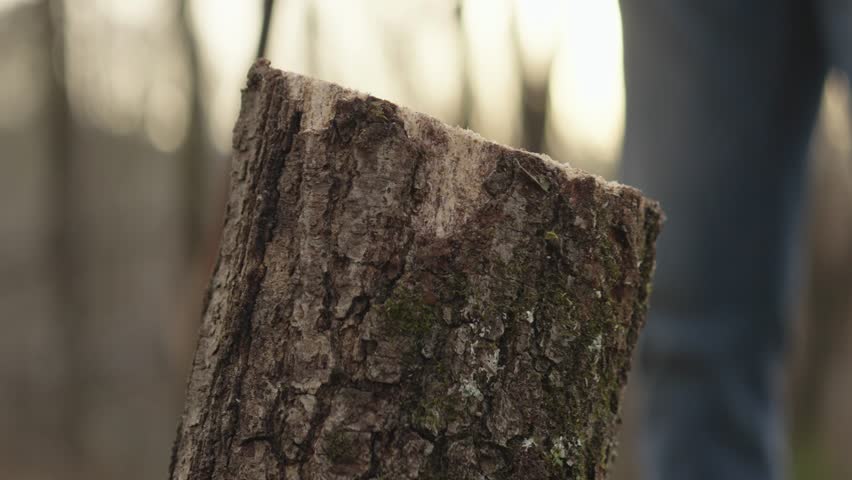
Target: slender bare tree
x,y
62,217
266,22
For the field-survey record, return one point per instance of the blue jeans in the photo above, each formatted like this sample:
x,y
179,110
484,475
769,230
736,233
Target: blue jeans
x,y
721,101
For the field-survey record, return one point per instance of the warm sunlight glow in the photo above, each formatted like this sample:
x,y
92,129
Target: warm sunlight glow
x,y
410,53
540,25
228,32
9,4
353,49
587,96
835,108
493,70
436,70
288,47
134,13
166,116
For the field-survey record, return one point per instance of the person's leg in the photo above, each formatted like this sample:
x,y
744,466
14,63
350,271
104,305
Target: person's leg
x,y
721,99
835,19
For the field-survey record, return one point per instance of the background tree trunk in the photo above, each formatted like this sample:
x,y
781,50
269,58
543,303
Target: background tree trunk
x,y
63,252
395,298
193,165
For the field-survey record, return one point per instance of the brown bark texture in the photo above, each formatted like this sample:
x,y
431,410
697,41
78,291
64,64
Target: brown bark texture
x,y
395,299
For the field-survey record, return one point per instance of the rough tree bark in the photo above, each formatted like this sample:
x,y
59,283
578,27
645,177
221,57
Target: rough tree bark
x,y
395,298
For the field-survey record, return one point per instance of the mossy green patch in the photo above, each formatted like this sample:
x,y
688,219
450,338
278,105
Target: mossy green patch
x,y
558,454
406,314
455,287
434,409
429,415
379,110
341,448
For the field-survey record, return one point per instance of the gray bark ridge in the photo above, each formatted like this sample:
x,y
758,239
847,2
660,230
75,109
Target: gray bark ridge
x,y
395,299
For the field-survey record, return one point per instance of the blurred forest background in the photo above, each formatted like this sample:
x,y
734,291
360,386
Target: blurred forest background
x,y
115,123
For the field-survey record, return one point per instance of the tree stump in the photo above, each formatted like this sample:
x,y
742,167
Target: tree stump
x,y
395,299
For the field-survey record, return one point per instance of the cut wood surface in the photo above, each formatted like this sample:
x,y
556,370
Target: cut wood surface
x,y
396,298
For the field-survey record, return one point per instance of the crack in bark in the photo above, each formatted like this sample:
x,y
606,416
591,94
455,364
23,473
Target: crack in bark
x,y
250,271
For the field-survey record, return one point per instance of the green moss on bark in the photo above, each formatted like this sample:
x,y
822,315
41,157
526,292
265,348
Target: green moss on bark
x,y
406,313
